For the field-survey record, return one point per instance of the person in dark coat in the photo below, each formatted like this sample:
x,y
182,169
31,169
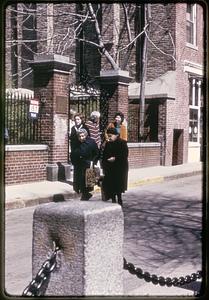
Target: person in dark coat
x,y
85,152
115,167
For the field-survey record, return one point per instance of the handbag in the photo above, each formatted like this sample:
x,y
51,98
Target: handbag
x,y
90,176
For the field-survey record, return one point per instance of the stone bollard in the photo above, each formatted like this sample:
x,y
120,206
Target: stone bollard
x,y
90,236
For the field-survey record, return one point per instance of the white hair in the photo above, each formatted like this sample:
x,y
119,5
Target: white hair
x,y
82,130
95,114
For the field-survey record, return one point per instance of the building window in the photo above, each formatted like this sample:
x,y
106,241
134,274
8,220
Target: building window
x,y
195,104
191,24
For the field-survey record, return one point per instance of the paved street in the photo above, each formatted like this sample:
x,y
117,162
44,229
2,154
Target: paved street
x,y
163,228
162,234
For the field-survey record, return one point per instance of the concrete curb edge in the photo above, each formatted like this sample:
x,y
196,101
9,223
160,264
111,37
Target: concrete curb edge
x,y
145,181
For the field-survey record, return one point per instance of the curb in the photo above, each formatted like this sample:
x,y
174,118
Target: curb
x,y
146,181
36,201
182,175
160,179
60,197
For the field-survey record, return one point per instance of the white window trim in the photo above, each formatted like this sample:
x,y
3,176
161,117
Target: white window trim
x,y
193,68
194,144
194,21
197,107
191,46
26,147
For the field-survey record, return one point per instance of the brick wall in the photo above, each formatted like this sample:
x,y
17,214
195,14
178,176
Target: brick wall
x,y
173,17
173,114
178,110
25,165
161,30
57,37
144,155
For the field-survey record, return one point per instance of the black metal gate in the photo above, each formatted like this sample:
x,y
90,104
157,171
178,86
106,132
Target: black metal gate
x,y
86,96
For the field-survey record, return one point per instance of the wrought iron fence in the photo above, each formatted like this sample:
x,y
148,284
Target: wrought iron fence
x,y
85,105
21,128
86,96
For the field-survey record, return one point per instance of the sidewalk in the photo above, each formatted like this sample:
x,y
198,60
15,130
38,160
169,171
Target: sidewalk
x,y
19,273
29,194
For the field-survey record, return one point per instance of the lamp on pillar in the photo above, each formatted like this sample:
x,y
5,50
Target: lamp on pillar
x,y
51,81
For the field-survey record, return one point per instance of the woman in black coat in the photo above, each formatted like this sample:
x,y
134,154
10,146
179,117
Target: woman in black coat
x,y
84,152
115,166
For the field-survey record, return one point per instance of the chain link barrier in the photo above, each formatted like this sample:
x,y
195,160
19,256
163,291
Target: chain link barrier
x,y
36,286
168,281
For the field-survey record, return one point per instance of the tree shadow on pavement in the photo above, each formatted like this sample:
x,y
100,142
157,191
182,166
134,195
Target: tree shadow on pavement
x,y
160,228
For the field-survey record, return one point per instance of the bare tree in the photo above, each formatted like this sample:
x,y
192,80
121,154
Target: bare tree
x,y
46,37
38,31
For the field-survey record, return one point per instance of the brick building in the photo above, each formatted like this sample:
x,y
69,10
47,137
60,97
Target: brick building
x,y
174,94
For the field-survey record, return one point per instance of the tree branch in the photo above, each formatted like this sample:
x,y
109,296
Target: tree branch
x,y
101,44
167,54
134,39
127,22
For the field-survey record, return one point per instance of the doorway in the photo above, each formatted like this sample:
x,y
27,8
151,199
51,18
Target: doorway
x,y
177,157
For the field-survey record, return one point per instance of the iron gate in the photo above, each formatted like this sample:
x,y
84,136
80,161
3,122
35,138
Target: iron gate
x,y
21,128
86,96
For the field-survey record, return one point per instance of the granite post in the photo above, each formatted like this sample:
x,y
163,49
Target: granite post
x,y
90,237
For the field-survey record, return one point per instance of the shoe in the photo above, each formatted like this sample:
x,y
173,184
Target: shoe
x,y
86,197
113,199
120,203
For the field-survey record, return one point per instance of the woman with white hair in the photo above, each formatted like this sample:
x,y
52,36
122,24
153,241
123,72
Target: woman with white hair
x,y
94,127
84,152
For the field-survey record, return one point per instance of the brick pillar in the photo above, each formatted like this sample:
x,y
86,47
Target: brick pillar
x,y
116,83
51,80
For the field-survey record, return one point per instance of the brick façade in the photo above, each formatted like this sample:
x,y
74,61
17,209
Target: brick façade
x,y
25,166
167,20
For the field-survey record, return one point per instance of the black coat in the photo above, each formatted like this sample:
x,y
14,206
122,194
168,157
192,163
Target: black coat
x,y
115,173
81,157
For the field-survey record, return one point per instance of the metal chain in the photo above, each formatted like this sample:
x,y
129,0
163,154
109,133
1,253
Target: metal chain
x,y
36,284
160,279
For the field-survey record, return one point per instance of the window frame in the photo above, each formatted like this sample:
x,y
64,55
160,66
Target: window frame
x,y
196,85
192,21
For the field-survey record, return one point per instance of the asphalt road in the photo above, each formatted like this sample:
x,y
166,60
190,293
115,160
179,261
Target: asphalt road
x,y
163,224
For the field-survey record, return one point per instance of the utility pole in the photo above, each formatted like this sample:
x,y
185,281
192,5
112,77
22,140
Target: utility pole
x,y
147,16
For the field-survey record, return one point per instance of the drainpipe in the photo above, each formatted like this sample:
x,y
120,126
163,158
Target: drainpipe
x,y
147,16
